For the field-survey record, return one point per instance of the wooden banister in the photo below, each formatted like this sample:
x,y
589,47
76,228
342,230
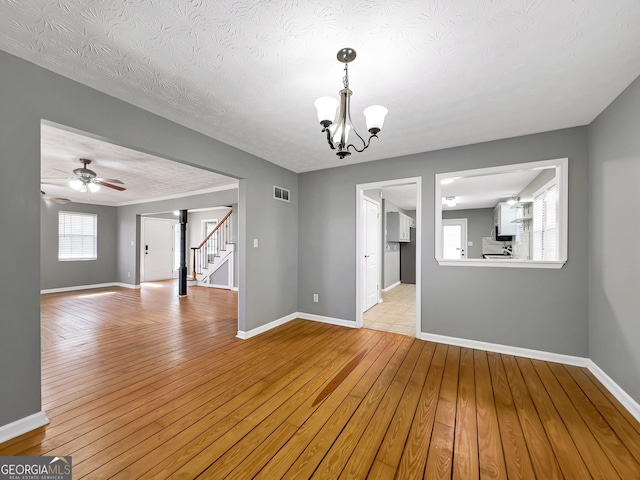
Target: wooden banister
x,y
200,258
214,230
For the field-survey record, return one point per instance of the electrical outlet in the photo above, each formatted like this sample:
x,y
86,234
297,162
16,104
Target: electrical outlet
x,y
315,298
255,243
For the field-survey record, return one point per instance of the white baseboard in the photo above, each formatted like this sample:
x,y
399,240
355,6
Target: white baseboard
x,y
24,425
623,397
292,316
390,287
88,287
323,319
257,331
234,289
507,349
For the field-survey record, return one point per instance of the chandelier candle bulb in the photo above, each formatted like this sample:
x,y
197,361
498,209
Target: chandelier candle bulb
x,y
338,132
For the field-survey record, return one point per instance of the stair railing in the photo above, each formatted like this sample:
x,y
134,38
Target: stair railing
x,y
205,253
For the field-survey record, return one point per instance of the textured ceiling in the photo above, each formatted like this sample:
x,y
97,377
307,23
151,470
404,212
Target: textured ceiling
x,y
146,177
247,72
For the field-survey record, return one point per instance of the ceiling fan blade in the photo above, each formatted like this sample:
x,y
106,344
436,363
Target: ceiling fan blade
x,y
108,185
61,171
110,180
54,199
58,199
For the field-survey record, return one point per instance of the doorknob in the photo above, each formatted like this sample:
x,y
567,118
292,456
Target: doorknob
x,y
366,256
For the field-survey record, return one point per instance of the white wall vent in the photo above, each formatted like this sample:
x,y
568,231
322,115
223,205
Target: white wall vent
x,y
280,193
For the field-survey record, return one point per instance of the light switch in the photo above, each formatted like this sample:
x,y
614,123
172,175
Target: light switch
x,y
255,243
470,244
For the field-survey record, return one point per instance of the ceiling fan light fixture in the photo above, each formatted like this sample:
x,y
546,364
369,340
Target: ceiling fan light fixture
x,y
337,128
76,184
93,187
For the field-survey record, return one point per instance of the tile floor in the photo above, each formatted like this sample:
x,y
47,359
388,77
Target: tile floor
x,y
397,312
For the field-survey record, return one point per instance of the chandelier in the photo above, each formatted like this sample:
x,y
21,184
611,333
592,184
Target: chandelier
x,y
338,131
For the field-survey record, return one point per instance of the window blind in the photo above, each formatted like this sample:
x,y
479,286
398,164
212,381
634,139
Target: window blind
x,y
77,236
545,230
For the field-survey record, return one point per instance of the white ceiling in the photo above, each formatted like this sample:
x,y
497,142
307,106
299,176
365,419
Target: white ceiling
x,y
146,177
485,191
247,72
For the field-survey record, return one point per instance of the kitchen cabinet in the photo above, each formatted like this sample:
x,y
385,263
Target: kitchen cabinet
x,y
503,217
398,227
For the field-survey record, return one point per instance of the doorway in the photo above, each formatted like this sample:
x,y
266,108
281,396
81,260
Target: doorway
x,y
395,305
454,238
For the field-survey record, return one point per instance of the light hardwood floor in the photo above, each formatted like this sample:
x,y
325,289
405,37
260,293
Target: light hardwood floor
x,y
141,384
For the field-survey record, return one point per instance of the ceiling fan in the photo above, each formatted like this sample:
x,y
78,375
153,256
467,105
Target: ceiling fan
x,y
86,179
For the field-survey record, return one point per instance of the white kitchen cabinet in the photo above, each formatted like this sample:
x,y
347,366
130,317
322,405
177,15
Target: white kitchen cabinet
x,y
503,217
398,227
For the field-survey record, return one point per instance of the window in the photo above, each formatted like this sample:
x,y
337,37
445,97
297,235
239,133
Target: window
x,y
77,236
545,229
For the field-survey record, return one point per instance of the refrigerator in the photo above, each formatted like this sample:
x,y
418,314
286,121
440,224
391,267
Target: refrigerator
x,y
408,259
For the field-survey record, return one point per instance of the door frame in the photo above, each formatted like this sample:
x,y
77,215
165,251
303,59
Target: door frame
x,y
378,251
360,188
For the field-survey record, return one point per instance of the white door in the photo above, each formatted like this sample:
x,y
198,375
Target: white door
x,y
454,238
371,240
158,259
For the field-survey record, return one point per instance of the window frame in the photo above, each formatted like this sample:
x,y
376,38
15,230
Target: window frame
x,y
562,212
76,258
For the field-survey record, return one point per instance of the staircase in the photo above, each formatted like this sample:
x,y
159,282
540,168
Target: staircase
x,y
213,254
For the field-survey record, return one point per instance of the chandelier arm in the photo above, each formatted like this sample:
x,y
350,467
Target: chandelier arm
x,y
366,145
329,138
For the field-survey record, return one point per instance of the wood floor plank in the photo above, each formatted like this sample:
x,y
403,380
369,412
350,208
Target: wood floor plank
x,y
540,450
414,455
440,455
622,424
465,461
490,453
342,448
365,451
618,454
594,458
390,451
143,384
567,454
514,445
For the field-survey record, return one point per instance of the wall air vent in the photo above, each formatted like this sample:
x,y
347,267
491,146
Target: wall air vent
x,y
280,193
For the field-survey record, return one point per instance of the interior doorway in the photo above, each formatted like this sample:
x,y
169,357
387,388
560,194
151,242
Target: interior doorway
x,y
395,305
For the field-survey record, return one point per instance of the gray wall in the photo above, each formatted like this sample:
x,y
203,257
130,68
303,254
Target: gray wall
x,y
479,224
536,184
57,274
557,324
29,94
614,304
